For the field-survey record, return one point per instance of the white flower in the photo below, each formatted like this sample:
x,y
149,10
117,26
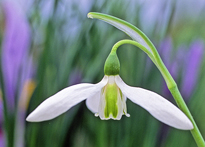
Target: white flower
x,y
108,100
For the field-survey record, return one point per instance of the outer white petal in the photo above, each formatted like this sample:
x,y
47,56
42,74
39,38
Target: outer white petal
x,y
93,102
64,100
156,105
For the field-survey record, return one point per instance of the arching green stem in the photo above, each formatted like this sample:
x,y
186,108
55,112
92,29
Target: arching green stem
x,y
171,85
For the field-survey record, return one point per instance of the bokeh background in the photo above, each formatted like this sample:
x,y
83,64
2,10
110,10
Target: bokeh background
x,y
47,45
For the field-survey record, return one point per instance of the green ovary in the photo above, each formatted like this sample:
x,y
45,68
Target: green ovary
x,y
111,97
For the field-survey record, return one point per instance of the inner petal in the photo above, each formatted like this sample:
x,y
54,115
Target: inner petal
x,y
112,101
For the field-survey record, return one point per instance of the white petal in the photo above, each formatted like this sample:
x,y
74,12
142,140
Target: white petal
x,y
64,100
93,102
156,105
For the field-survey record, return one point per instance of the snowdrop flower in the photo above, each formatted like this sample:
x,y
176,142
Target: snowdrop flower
x,y
107,99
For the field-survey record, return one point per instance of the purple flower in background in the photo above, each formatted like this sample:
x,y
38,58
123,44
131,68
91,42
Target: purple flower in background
x,y
16,69
14,49
192,66
185,62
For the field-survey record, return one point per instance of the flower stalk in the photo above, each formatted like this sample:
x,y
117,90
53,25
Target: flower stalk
x,y
172,86
143,42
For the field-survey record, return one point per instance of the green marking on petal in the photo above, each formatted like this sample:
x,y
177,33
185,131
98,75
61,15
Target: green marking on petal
x,y
111,97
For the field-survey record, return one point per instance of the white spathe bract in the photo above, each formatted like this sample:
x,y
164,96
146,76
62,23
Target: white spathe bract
x,y
108,100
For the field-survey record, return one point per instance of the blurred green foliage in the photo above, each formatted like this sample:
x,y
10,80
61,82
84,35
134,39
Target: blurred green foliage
x,y
66,44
